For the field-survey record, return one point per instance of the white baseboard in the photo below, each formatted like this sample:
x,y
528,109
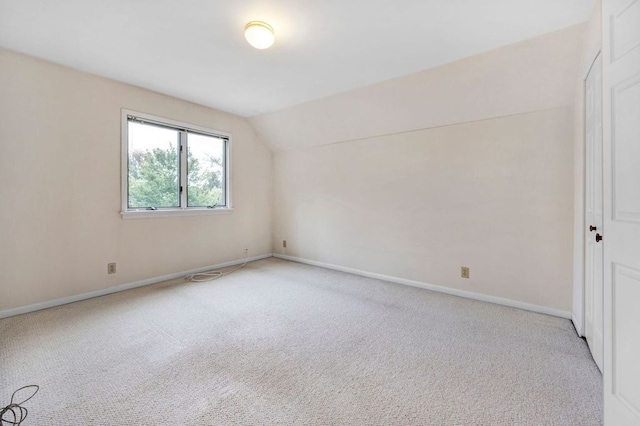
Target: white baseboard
x,y
102,292
440,289
455,292
577,326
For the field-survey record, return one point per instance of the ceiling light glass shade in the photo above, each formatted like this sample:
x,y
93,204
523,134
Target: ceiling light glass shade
x,y
259,34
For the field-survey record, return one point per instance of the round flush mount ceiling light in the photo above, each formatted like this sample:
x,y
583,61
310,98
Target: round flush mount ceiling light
x,y
259,34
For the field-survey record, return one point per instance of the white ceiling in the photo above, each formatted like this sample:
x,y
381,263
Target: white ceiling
x,y
195,49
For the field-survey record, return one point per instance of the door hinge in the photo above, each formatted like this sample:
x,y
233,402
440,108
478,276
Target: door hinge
x,y
180,189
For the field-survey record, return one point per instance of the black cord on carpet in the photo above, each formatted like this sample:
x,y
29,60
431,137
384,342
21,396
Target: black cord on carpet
x,y
14,413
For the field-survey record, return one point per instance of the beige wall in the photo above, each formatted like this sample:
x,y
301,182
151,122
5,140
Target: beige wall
x,y
592,41
60,171
484,180
494,195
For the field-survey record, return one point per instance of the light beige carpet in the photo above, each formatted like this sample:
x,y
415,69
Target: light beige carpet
x,y
284,343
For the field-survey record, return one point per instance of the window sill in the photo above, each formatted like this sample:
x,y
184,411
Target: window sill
x,y
145,214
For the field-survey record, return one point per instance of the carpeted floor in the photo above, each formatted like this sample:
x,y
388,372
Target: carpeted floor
x,y
283,343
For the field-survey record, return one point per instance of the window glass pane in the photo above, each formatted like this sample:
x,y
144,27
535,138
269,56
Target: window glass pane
x,y
154,166
205,171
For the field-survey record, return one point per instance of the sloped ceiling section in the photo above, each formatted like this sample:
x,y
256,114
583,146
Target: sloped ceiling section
x,y
536,74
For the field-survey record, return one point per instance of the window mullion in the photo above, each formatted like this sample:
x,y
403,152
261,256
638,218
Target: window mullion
x,y
183,169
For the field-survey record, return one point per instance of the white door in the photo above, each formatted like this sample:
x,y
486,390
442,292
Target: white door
x,y
593,286
621,141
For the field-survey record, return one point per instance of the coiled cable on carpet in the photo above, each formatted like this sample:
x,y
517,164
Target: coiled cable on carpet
x,y
14,413
214,275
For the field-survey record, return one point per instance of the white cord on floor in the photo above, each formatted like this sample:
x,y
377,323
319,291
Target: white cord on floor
x,y
214,275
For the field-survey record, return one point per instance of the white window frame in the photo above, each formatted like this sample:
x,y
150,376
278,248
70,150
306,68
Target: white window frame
x,y
128,213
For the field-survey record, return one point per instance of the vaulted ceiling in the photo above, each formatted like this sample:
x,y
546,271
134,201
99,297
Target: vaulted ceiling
x,y
195,50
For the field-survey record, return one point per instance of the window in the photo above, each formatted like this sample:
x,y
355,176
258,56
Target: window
x,y
172,168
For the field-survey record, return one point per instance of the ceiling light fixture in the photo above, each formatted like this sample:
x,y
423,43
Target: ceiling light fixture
x,y
259,34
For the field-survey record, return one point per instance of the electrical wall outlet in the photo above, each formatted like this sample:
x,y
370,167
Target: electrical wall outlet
x,y
111,268
464,272
284,243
